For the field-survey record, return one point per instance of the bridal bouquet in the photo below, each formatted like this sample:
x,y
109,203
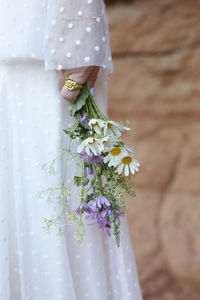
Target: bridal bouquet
x,y
104,165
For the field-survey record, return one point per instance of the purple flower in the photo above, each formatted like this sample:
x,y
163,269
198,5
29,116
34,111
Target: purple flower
x,y
93,191
84,119
90,170
82,154
91,158
102,202
95,158
106,213
85,207
101,221
99,210
118,213
99,203
93,205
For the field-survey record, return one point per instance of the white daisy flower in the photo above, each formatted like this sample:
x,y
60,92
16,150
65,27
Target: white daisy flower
x,y
102,142
114,156
91,145
113,128
129,164
104,139
115,142
112,142
97,125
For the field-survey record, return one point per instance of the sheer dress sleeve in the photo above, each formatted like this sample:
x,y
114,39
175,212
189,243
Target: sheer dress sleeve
x,y
77,35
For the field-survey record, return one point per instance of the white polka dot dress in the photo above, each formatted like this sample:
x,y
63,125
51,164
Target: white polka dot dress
x,y
64,34
35,36
35,265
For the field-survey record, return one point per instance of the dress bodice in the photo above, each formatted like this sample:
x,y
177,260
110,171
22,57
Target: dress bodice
x,y
65,34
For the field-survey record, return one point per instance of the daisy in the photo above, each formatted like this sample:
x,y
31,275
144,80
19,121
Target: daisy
x,y
128,164
113,128
103,141
91,144
115,142
114,156
112,142
97,125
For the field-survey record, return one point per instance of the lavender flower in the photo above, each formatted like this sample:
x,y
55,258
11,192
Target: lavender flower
x,y
90,171
101,221
99,209
85,207
82,155
102,202
91,158
99,203
84,119
95,158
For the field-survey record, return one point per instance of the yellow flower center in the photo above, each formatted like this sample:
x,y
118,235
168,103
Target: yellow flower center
x,y
109,125
94,124
127,160
115,151
93,141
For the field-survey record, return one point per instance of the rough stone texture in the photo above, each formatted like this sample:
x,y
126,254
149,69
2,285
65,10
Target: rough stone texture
x,y
156,46
147,27
180,235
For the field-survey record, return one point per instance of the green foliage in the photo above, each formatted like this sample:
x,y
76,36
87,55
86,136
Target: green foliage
x,y
80,181
49,167
126,185
80,232
70,134
81,101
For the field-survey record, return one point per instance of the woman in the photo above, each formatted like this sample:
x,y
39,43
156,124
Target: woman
x,y
42,43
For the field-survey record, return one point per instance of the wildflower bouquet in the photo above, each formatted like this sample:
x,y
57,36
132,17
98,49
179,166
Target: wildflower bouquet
x,y
105,164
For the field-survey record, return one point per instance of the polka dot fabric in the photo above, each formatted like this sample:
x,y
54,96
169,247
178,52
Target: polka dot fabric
x,y
35,265
77,35
64,34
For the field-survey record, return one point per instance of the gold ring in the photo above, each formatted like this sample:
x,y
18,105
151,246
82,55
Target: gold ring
x,y
72,85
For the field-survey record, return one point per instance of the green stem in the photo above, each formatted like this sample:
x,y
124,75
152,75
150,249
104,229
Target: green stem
x,y
67,159
95,106
97,177
82,189
101,115
91,109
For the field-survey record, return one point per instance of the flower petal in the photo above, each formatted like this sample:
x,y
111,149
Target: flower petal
x,y
107,158
136,162
120,169
132,168
97,129
126,170
116,130
129,149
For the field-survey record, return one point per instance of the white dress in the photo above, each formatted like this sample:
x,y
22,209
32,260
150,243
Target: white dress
x,y
35,265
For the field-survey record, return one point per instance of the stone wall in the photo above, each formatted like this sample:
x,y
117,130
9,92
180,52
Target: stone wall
x,y
156,86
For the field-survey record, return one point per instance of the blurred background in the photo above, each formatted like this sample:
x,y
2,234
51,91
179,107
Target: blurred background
x,y
156,86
